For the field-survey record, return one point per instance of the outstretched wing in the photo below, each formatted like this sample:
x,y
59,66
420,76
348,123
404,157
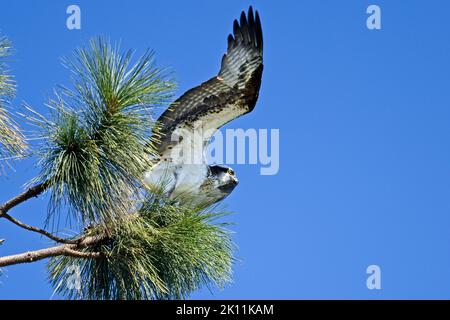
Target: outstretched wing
x,y
229,95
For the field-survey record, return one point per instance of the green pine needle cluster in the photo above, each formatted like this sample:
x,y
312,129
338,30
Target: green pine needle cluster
x,y
12,142
163,252
97,139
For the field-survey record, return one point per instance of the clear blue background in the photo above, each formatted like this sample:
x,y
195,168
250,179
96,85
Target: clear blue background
x,y
364,119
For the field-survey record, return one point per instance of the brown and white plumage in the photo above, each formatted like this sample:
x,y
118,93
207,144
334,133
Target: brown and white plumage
x,y
209,106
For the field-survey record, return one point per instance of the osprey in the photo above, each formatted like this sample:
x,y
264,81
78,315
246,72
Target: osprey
x,y
185,128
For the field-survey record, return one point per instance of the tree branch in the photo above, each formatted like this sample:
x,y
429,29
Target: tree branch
x,y
71,250
38,230
27,194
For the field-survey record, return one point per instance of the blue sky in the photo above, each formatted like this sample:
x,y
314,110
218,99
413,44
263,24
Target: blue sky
x,y
364,137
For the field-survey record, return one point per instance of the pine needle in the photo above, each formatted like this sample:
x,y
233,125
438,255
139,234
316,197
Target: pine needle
x,y
163,252
97,137
12,142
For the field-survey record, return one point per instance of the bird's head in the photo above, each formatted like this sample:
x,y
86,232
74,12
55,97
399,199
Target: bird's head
x,y
225,178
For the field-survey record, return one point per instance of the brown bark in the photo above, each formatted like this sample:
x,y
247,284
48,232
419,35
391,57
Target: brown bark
x,y
27,194
70,247
38,230
71,250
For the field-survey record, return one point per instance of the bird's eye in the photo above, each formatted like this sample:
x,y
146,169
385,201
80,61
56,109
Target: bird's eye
x,y
230,171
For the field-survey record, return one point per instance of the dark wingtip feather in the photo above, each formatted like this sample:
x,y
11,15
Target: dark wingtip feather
x,y
251,18
237,32
244,28
258,29
230,41
251,26
247,30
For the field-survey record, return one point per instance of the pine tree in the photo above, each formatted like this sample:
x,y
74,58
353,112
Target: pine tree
x,y
94,145
12,143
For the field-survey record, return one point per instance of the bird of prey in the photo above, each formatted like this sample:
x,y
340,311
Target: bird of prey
x,y
186,127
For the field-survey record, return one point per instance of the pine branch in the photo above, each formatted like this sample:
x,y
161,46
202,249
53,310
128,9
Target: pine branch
x,y
26,195
37,230
67,250
95,143
164,251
